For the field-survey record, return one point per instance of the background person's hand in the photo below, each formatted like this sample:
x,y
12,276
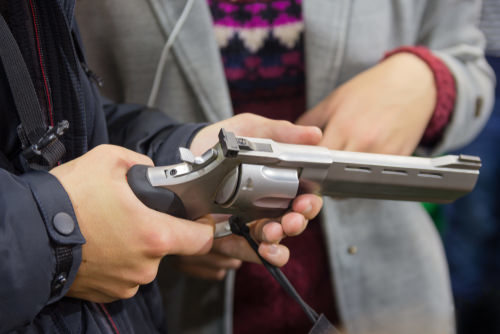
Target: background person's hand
x,y
385,109
125,240
250,125
227,253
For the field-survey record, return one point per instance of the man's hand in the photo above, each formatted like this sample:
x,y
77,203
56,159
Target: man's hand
x,y
382,110
125,240
228,252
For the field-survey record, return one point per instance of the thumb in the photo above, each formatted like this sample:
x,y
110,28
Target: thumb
x,y
316,116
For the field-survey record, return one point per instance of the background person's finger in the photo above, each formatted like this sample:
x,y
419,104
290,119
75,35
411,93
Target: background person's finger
x,y
293,224
286,132
238,247
308,205
275,254
266,230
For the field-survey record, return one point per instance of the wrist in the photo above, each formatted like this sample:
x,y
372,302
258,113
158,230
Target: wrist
x,y
62,228
445,90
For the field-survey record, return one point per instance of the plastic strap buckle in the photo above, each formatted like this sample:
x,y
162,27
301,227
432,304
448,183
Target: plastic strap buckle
x,y
52,134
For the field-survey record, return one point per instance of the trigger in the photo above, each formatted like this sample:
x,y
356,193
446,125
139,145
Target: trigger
x,y
222,229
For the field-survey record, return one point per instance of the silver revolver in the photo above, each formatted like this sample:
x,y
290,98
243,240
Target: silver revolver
x,y
256,178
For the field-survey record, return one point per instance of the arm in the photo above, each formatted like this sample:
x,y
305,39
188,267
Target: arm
x,y
450,31
387,108
30,278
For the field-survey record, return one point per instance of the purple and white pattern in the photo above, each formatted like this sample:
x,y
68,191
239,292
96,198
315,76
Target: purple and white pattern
x,y
254,22
261,43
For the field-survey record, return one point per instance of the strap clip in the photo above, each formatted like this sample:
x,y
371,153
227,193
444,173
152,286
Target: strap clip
x,y
52,135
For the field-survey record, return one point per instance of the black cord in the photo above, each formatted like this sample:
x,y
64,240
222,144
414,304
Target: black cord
x,y
239,227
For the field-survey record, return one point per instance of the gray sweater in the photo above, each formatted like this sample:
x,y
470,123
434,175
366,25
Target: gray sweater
x,y
490,25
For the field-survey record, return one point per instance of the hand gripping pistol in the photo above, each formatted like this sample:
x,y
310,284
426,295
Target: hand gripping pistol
x,y
256,178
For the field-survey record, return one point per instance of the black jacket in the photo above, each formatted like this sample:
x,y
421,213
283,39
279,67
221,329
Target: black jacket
x,y
32,285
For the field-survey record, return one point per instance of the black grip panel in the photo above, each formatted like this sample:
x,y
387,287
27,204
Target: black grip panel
x,y
156,198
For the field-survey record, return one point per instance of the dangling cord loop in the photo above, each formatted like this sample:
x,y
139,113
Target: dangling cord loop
x,y
321,324
164,53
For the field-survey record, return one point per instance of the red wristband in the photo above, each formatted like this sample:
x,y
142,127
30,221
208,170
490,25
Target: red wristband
x,y
446,92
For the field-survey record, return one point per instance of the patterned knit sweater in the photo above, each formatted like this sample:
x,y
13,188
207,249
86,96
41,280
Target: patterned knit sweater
x,y
261,45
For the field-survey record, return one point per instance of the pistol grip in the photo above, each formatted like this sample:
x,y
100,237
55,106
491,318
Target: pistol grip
x,y
156,198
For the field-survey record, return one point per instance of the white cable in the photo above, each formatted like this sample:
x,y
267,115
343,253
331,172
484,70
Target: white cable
x,y
164,53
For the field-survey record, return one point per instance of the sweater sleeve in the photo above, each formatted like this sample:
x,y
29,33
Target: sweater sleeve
x,y
445,92
37,221
450,31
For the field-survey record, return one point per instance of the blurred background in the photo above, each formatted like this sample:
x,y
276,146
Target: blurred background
x,y
470,227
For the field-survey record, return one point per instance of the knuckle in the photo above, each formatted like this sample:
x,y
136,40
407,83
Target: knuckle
x,y
368,140
100,150
107,152
148,275
235,264
220,274
118,153
128,292
333,101
245,117
107,149
124,290
285,123
104,299
230,248
343,128
144,159
158,243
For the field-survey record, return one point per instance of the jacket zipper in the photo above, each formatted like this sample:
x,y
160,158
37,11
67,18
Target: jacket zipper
x,y
106,314
36,27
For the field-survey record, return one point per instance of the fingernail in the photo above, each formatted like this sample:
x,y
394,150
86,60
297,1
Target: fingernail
x,y
273,249
318,131
307,210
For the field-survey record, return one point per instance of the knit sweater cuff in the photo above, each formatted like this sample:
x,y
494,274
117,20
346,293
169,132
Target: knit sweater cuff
x,y
446,92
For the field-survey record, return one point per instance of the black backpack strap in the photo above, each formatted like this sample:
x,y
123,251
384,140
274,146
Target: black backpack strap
x,y
42,148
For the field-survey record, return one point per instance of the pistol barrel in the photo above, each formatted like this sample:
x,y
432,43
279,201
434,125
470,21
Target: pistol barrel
x,y
378,176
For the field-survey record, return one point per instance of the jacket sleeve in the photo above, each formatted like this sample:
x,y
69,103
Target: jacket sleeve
x,y
36,221
148,131
450,30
